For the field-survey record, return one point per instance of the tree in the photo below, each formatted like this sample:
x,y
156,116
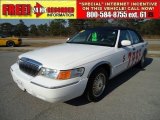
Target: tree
x,y
96,23
151,27
33,30
6,28
78,24
56,27
21,29
43,29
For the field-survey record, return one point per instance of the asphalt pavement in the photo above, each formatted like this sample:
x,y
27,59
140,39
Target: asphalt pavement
x,y
133,95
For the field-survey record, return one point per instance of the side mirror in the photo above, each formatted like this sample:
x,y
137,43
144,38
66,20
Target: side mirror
x,y
68,39
125,42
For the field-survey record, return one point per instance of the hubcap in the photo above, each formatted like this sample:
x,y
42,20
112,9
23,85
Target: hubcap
x,y
10,44
99,85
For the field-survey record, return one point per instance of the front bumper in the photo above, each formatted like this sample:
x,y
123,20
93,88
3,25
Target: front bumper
x,y
48,89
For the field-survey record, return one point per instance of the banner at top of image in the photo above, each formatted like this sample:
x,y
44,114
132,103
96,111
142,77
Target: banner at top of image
x,y
80,9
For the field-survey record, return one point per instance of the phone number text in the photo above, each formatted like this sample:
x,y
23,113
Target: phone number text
x,y
117,14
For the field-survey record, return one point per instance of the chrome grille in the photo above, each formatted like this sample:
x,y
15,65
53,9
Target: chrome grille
x,y
29,66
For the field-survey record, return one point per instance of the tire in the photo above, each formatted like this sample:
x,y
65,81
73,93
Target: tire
x,y
10,44
141,62
96,85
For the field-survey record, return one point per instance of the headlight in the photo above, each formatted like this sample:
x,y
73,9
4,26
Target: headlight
x,y
50,73
62,74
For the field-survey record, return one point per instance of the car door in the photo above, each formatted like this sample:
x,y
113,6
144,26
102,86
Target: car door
x,y
138,47
123,53
2,41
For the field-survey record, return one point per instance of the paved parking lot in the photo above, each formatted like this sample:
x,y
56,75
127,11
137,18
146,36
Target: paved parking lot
x,y
133,95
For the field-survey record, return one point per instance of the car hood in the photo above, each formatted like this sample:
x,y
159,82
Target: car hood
x,y
59,56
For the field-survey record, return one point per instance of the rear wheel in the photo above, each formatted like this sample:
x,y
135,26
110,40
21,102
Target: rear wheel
x,y
10,44
97,85
141,62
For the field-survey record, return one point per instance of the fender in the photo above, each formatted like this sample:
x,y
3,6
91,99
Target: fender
x,y
99,64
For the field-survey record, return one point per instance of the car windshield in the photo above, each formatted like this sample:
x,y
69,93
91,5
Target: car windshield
x,y
95,37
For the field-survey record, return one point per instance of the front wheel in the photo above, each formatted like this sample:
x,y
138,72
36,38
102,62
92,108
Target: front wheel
x,y
97,85
10,44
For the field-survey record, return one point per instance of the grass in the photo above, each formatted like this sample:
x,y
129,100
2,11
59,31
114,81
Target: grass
x,y
47,38
153,55
154,47
39,44
151,36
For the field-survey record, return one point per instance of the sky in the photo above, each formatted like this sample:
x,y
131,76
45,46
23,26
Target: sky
x,y
27,22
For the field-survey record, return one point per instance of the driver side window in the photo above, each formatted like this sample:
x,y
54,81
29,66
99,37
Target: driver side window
x,y
124,35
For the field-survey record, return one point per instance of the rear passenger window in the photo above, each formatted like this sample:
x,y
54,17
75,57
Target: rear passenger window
x,y
135,38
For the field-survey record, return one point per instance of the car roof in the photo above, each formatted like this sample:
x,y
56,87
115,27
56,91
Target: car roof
x,y
111,28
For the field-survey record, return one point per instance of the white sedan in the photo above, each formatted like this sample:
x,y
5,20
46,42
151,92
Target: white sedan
x,y
82,65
